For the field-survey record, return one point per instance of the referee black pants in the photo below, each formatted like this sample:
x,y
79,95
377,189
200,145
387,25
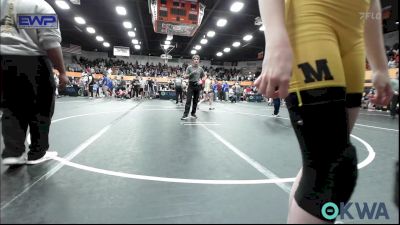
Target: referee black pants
x,y
192,92
27,99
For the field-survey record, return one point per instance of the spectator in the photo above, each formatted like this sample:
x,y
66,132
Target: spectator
x,y
178,83
392,63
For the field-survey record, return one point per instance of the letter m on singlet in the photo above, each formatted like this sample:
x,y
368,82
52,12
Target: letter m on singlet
x,y
322,71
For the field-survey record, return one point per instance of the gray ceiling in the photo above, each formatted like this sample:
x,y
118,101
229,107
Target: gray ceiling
x,y
102,16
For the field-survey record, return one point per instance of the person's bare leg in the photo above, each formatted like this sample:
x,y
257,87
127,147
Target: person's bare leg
x,y
210,99
198,104
294,188
299,215
352,114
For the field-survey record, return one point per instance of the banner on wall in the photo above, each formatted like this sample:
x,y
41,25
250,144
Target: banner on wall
x,y
121,51
71,48
217,63
227,63
391,38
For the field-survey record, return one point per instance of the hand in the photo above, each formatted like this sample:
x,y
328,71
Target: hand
x,y
7,21
63,80
383,90
276,71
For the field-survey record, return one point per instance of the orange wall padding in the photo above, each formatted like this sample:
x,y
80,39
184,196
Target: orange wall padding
x,y
368,75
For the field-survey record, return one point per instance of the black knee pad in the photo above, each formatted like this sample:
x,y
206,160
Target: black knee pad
x,y
329,159
334,183
346,175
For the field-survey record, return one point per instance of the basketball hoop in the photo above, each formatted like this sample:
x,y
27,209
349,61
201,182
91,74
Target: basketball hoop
x,y
167,49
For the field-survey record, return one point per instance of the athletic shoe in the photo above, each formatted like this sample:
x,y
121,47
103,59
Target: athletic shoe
x,y
49,155
15,160
194,116
184,117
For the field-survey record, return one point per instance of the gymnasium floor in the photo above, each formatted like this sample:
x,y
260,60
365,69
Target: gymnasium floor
x,y
137,162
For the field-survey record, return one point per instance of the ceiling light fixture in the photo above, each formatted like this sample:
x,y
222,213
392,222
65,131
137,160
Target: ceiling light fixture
x,y
221,22
227,49
127,24
99,38
203,41
211,33
120,10
236,44
131,34
237,6
247,37
90,30
62,4
79,20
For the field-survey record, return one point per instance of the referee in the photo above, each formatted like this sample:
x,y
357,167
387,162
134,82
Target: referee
x,y
195,73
